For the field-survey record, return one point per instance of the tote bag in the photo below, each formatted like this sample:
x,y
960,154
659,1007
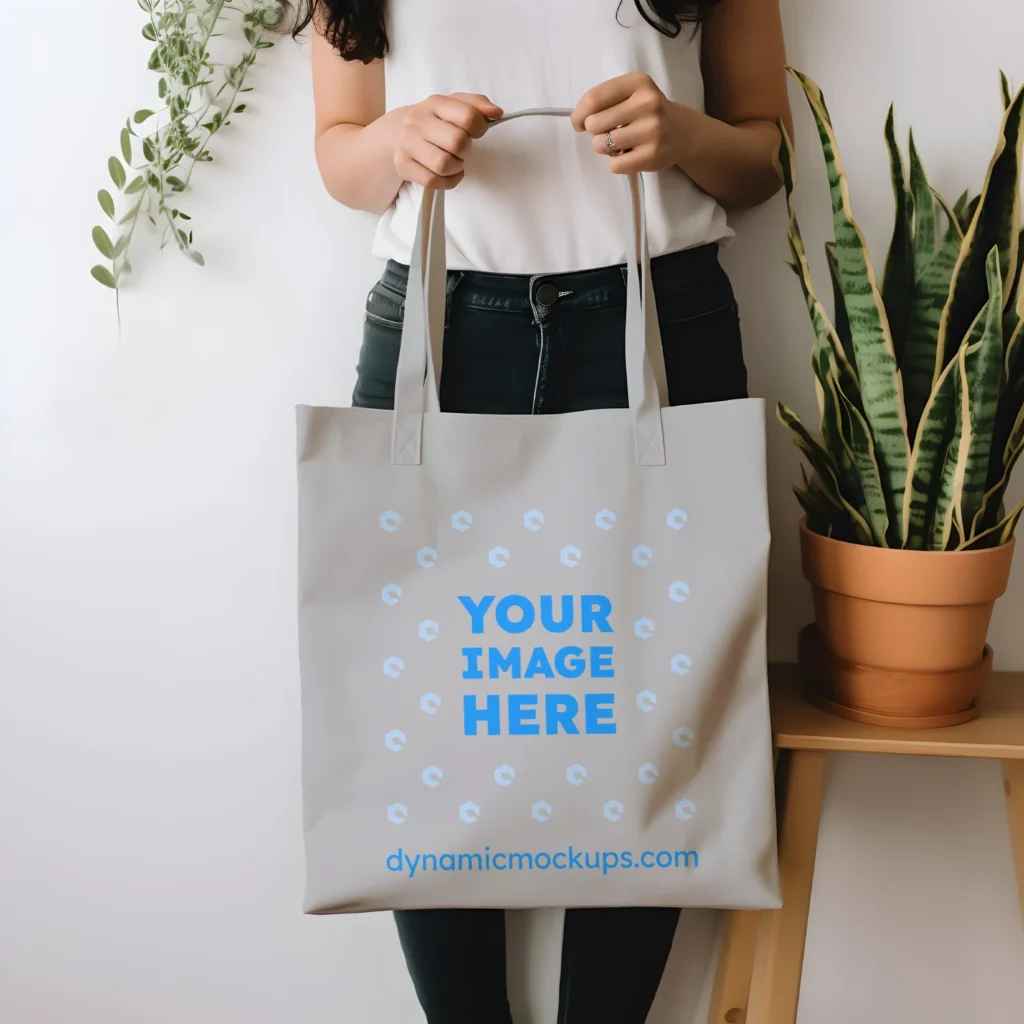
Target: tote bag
x,y
533,648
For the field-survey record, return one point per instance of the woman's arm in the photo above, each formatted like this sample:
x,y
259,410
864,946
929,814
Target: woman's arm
x,y
729,151
733,149
364,154
355,140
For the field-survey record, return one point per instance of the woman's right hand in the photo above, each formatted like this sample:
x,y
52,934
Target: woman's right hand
x,y
435,135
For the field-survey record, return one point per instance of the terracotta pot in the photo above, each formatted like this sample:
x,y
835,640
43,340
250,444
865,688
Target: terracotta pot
x,y
909,700
913,623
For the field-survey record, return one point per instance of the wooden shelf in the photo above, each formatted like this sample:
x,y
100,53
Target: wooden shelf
x,y
997,733
762,953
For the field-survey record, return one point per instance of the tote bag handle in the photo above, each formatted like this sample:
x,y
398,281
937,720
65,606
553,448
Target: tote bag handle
x,y
416,388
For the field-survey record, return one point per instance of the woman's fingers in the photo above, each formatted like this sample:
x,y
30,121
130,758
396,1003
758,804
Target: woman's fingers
x,y
447,137
629,119
601,98
466,112
626,137
436,135
622,113
437,159
642,158
420,175
489,111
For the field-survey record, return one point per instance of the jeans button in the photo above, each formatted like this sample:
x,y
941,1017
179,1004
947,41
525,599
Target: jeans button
x,y
547,294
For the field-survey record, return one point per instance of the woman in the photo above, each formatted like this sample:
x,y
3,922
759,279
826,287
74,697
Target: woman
x,y
689,93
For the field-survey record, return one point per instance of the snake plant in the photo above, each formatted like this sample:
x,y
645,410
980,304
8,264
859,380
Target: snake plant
x,y
920,376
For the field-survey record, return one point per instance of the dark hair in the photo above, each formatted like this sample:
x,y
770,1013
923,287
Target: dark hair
x,y
357,29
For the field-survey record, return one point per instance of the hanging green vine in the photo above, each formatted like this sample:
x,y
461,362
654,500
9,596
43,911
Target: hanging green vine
x,y
160,149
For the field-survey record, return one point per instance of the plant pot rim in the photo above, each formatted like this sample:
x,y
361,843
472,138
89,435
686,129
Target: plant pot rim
x,y
979,553
898,576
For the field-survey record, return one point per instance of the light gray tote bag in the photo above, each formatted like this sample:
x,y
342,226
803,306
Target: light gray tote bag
x,y
533,648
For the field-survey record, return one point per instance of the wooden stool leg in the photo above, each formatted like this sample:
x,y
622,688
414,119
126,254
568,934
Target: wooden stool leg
x,y
735,966
1013,783
778,963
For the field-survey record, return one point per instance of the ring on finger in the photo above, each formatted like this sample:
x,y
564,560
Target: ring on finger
x,y
610,143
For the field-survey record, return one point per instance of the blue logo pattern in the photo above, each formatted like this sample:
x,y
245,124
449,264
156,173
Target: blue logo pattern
x,y
570,556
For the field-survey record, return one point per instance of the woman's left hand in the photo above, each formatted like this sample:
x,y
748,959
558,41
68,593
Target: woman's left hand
x,y
646,131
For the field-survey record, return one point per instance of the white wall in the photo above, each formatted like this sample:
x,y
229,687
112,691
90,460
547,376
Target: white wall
x,y
150,861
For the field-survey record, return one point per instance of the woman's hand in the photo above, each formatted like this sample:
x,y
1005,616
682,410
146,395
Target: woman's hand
x,y
647,131
434,136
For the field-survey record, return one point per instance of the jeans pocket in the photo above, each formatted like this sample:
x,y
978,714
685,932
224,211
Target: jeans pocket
x,y
378,364
385,305
381,321
704,357
707,296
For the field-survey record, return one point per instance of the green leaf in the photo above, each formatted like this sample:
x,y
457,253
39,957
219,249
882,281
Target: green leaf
x,y
840,318
833,434
176,183
996,535
927,459
952,220
142,115
924,212
824,467
978,377
104,276
931,295
995,494
821,461
1011,408
120,245
996,223
106,202
949,480
131,214
1014,303
126,145
820,514
103,242
967,215
985,381
147,150
239,108
858,438
824,332
1012,357
818,488
148,32
117,175
960,207
136,185
898,277
877,369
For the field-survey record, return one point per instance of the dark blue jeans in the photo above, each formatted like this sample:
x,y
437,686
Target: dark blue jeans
x,y
549,344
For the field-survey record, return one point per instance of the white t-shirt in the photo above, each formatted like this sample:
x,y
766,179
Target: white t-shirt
x,y
536,197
